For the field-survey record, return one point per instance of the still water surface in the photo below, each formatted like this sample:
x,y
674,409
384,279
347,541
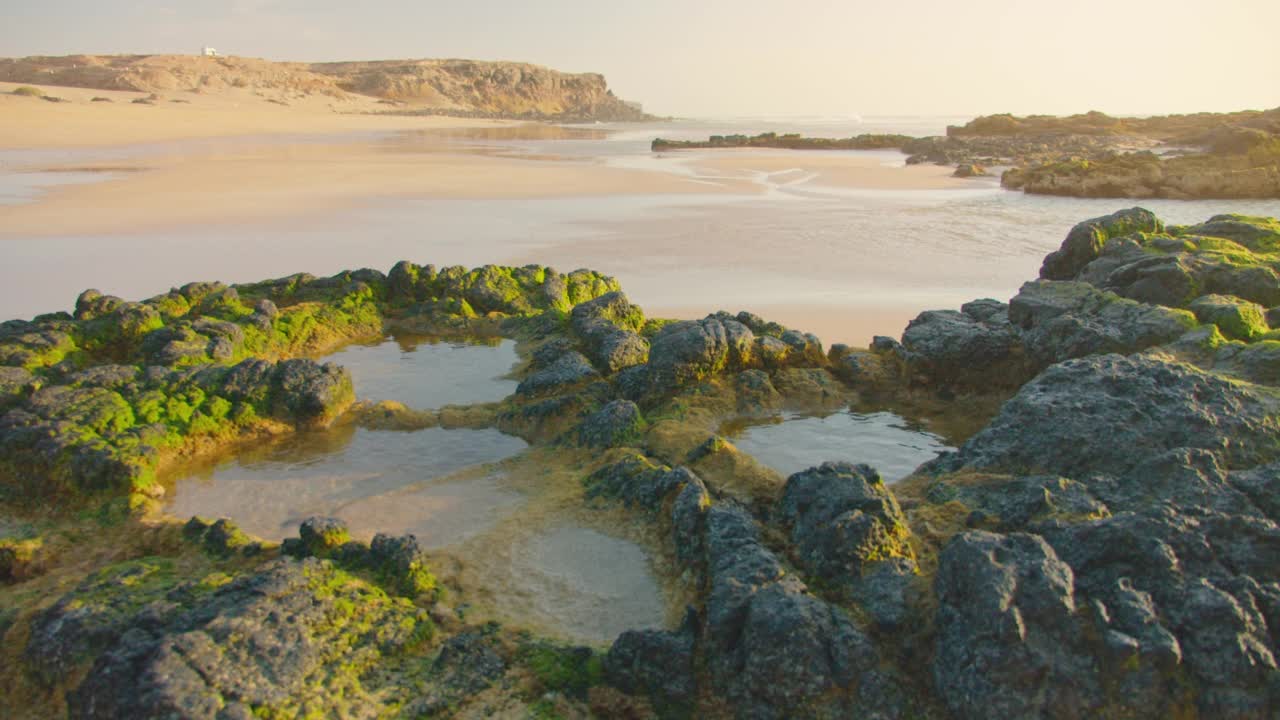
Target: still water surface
x,y
883,440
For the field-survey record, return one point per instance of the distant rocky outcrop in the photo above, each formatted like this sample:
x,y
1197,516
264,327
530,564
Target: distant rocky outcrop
x,y
454,87
497,89
1204,155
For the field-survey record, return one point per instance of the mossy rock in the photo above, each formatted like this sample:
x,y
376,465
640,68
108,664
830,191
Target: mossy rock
x,y
1237,318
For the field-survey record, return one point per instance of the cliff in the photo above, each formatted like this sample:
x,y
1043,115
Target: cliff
x,y
461,87
500,89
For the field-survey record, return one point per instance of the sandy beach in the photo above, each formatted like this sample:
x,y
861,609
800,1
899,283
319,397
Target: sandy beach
x,y
319,184
277,161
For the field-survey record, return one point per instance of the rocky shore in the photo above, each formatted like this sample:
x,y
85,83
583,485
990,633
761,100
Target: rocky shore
x,y
1201,156
1099,544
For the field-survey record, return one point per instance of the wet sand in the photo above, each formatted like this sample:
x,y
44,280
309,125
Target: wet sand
x,y
852,170
279,161
283,180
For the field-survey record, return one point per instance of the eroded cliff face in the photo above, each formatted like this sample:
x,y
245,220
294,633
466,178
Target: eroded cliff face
x,y
463,87
499,88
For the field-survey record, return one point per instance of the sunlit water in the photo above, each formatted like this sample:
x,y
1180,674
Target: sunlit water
x,y
591,585
429,373
375,480
851,253
883,440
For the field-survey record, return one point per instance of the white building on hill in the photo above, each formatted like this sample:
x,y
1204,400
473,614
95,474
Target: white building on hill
x,y
209,52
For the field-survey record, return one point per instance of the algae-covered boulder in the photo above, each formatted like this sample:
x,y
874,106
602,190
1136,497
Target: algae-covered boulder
x,y
312,394
609,326
635,480
617,423
842,517
1236,318
849,533
15,383
692,349
293,639
1086,240
1063,320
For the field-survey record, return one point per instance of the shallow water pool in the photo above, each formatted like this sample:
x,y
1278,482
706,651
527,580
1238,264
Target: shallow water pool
x,y
428,373
791,443
589,585
375,480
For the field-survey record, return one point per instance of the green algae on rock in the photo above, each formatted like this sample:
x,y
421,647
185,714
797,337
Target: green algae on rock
x,y
1105,546
100,399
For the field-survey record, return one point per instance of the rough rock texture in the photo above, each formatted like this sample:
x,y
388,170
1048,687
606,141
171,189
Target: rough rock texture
x,y
1086,240
1110,413
656,663
843,519
976,346
692,349
1009,641
617,423
1237,319
569,370
608,326
774,650
263,643
1064,320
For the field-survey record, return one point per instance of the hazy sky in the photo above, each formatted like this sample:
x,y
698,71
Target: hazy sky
x,y
744,57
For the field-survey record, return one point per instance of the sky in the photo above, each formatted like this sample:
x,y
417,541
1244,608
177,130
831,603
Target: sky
x,y
719,58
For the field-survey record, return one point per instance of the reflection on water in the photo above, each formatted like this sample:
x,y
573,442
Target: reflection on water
x,y
375,480
593,586
428,373
883,440
23,187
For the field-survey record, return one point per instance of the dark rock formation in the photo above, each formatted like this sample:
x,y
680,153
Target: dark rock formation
x,y
608,326
256,643
1086,239
617,423
976,346
567,371
692,349
842,520
1110,413
1010,642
